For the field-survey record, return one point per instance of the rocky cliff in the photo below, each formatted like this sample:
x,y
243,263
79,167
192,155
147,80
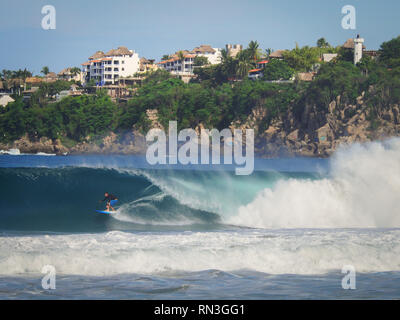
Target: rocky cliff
x,y
313,133
128,143
316,133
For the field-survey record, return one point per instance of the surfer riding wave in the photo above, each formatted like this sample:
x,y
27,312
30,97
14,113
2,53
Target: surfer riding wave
x,y
111,201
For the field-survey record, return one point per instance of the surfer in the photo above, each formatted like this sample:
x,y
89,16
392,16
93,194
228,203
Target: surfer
x,y
111,201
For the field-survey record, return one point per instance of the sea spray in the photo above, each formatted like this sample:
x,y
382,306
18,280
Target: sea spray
x,y
272,252
361,191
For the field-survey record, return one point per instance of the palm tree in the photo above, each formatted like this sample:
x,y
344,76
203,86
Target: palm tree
x,y
268,52
15,84
224,55
322,43
23,74
254,50
181,57
7,74
243,66
45,70
75,71
228,64
165,57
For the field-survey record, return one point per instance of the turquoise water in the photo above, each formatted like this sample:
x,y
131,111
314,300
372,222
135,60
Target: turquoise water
x,y
284,232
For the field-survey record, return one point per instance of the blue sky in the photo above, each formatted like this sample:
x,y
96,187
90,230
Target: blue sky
x,y
156,27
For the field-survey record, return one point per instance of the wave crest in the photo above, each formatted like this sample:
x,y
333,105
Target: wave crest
x,y
362,191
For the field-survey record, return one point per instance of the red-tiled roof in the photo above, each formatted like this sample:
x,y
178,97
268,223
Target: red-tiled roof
x,y
264,62
254,70
170,60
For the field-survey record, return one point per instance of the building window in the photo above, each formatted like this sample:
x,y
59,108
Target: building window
x,y
123,61
123,69
116,62
116,69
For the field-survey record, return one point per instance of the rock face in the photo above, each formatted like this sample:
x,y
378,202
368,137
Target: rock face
x,y
319,134
314,133
128,143
25,145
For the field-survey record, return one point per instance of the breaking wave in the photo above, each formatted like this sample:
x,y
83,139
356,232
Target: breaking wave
x,y
361,191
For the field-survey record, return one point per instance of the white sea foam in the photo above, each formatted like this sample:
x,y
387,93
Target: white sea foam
x,y
11,152
362,191
273,252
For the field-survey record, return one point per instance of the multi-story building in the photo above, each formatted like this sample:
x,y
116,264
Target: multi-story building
x,y
213,55
177,66
182,63
108,68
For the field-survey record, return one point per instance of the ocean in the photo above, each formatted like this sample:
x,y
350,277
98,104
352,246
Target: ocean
x,y
288,231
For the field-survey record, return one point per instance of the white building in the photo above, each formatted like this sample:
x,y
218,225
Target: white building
x,y
107,68
358,49
186,67
357,46
5,99
213,55
328,57
176,66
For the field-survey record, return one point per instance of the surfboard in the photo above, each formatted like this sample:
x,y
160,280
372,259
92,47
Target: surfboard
x,y
104,212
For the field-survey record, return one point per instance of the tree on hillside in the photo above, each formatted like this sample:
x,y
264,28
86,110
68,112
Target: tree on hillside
x,y
244,65
278,70
390,53
268,52
25,74
75,71
157,77
322,43
228,65
53,88
200,61
224,55
45,70
181,57
302,59
254,50
19,74
333,80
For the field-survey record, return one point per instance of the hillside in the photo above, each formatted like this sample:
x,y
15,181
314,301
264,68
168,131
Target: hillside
x,y
343,104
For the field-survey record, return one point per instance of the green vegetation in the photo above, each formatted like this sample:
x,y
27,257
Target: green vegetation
x,y
45,70
390,53
19,74
278,70
200,61
332,80
73,117
75,71
215,98
192,104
